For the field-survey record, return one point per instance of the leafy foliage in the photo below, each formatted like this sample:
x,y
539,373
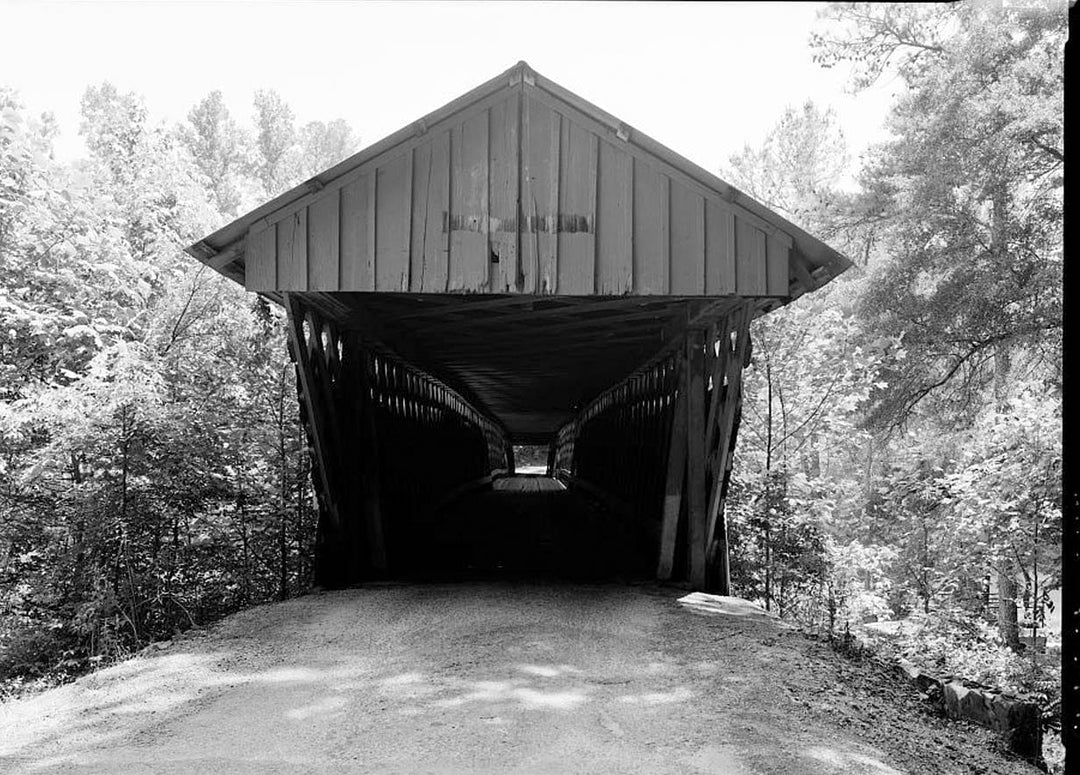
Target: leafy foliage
x,y
144,488
900,455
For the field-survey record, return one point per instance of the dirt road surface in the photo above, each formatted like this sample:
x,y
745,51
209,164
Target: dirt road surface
x,y
490,676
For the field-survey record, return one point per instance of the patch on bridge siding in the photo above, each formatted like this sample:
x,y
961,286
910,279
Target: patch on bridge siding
x,y
565,223
700,602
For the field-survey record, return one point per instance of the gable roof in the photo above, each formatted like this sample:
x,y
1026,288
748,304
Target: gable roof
x,y
682,190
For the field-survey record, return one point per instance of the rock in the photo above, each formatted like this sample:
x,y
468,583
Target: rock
x,y
161,645
907,669
1017,721
955,692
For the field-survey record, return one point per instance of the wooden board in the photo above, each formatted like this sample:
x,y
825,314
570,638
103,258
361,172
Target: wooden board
x,y
777,260
719,250
750,270
577,211
651,223
292,264
260,259
687,242
324,242
541,129
393,216
357,245
614,221
469,256
673,490
696,496
421,169
504,147
435,246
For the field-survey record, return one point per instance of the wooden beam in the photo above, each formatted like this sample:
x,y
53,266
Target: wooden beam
x,y
716,531
673,487
220,260
696,495
313,404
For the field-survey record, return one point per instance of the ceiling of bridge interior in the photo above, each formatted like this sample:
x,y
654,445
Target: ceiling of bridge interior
x,y
529,361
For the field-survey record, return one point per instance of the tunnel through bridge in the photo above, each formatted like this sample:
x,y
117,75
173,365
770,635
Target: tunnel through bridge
x,y
519,267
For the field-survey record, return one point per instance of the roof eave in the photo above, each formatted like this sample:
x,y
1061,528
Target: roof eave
x,y
223,248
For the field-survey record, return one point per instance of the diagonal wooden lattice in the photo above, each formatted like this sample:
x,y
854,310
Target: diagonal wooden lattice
x,y
687,403
387,442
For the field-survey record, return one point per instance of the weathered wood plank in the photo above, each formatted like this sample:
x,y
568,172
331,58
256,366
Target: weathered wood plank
x,y
505,148
721,195
719,250
539,197
777,267
696,496
687,242
393,191
469,255
418,227
750,277
577,211
358,235
614,221
260,259
324,236
436,242
292,264
651,224
673,489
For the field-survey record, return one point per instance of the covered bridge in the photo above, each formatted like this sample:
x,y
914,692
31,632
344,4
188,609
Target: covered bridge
x,y
519,267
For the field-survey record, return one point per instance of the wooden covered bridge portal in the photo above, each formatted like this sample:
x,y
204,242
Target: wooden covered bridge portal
x,y
520,267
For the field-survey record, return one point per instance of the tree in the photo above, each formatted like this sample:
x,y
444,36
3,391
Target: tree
x,y
144,487
219,148
325,144
275,164
967,202
970,192
797,168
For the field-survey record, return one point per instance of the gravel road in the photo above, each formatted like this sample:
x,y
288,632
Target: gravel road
x,y
489,676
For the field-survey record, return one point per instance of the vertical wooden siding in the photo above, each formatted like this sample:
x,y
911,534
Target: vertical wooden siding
x,y
517,195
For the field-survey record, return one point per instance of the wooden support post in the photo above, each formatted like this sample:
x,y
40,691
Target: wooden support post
x,y
731,366
369,475
673,488
311,397
511,464
696,495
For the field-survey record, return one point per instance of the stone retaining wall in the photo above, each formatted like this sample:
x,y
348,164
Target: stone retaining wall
x,y
1016,719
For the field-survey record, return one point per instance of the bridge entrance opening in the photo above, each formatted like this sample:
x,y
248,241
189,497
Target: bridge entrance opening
x,y
533,459
520,269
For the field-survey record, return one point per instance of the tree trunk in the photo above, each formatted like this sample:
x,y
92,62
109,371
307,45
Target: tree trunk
x,y
283,493
1008,625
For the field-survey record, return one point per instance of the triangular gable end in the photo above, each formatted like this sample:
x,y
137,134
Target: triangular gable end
x,y
520,186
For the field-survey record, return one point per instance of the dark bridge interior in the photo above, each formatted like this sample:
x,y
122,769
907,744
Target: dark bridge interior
x,y
528,526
